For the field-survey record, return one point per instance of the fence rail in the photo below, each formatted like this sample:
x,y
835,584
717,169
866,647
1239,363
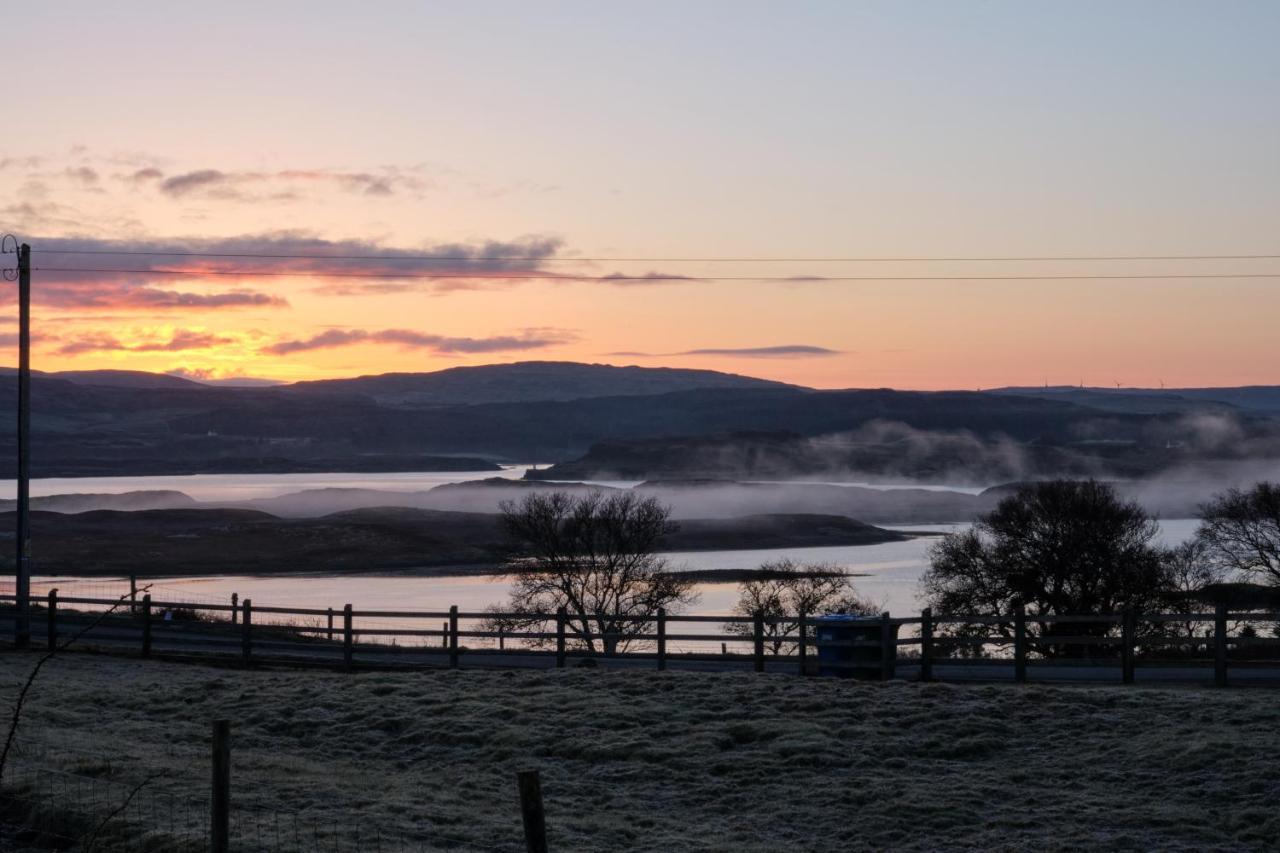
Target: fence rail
x,y
1101,646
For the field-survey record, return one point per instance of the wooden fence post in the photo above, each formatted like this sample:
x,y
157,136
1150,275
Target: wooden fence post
x,y
560,618
662,638
1220,644
246,630
758,635
531,811
802,651
1020,643
330,629
348,638
220,800
444,635
133,593
610,639
146,625
1128,632
53,619
926,644
453,637
235,607
888,647
502,640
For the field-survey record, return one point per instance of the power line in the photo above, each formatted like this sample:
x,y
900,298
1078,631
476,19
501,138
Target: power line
x,y
569,277
670,260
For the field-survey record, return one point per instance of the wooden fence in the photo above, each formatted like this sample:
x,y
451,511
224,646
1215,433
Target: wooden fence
x,y
1014,646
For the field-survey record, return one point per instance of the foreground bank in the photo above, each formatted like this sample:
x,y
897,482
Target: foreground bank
x,y
692,761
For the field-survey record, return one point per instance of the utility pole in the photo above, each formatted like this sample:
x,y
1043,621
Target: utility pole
x,y
22,585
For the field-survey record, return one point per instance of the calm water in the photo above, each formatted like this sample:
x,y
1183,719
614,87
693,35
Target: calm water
x,y
234,487
887,573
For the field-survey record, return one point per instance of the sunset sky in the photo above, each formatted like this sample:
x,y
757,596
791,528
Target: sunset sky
x,y
418,135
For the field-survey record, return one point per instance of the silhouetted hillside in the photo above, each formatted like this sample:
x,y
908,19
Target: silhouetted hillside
x,y
113,378
1255,398
527,381
183,427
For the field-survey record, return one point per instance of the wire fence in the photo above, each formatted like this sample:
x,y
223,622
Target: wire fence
x,y
44,808
47,808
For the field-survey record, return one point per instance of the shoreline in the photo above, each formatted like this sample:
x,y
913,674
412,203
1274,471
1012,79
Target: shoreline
x,y
426,573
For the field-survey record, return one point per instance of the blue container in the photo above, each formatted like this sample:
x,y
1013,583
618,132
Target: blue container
x,y
854,646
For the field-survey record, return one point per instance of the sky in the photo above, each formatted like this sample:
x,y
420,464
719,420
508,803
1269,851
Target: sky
x,y
489,153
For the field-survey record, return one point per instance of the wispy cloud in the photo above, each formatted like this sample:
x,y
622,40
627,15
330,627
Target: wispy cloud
x,y
180,340
96,295
82,174
646,278
302,252
218,184
111,272
188,182
781,351
409,339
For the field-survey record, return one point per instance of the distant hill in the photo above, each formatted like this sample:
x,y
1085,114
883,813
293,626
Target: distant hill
x,y
526,382
648,422
1254,398
113,378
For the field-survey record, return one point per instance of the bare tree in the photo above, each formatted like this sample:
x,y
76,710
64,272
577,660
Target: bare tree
x,y
1241,531
596,556
1188,570
1058,547
788,589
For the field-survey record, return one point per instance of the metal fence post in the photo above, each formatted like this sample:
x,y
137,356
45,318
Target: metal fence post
x,y
926,644
802,625
53,619
531,811
1128,631
348,639
146,625
220,816
246,631
560,620
662,638
1220,644
757,629
453,636
1020,643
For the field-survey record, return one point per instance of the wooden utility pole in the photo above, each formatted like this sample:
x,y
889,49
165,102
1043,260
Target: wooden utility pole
x,y
22,579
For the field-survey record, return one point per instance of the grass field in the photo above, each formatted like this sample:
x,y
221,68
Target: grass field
x,y
686,761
